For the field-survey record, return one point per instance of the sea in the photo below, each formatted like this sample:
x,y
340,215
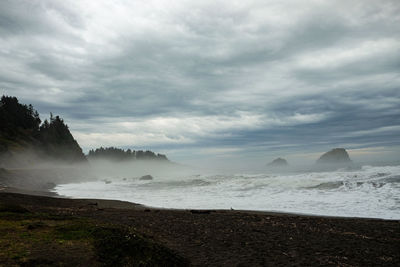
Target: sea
x,y
368,191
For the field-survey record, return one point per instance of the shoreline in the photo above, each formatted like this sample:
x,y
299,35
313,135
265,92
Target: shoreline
x,y
49,193
232,237
271,212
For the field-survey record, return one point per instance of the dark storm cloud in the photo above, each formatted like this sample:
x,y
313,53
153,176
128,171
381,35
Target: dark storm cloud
x,y
244,76
36,17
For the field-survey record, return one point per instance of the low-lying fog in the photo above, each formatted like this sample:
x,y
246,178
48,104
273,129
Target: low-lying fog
x,y
352,190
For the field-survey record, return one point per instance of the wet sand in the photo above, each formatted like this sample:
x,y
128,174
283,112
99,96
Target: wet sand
x,y
239,238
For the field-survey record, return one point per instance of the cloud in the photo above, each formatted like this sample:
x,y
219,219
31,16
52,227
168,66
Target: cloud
x,y
368,151
92,140
395,129
181,130
309,74
333,58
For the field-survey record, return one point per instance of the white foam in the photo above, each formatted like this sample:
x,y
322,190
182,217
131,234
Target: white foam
x,y
370,192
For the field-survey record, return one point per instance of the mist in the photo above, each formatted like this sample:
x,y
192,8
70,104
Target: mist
x,y
128,170
32,170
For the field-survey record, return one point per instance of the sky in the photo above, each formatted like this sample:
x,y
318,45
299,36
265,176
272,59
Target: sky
x,y
211,82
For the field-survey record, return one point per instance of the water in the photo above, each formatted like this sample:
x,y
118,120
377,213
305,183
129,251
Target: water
x,y
372,192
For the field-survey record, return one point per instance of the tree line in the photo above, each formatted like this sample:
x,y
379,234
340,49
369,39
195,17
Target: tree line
x,y
21,128
117,154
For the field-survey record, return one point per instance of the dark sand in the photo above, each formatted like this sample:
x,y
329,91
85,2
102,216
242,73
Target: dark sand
x,y
238,238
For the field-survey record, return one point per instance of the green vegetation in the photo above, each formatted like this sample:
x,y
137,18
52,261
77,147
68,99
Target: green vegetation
x,y
21,129
31,239
58,142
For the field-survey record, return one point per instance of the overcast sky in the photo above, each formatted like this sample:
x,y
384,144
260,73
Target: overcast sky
x,y
223,82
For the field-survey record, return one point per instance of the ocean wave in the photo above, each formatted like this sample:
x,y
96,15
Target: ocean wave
x,y
368,192
176,183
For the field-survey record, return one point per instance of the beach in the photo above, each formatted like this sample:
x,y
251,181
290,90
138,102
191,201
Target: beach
x,y
199,133
232,237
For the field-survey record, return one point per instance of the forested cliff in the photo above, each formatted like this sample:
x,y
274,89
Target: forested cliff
x,y
24,138
22,131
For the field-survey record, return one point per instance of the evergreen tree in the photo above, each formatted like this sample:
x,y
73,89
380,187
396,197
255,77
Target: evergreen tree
x,y
20,129
117,154
58,141
17,120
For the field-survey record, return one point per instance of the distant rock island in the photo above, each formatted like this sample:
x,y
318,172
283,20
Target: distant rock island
x,y
335,156
279,162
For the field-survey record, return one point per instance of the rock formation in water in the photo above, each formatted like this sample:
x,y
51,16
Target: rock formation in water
x,y
279,162
146,177
335,156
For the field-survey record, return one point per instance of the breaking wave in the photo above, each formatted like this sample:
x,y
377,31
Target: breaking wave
x,y
368,192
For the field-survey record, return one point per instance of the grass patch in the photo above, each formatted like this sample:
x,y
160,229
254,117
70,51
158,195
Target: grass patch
x,y
12,208
130,249
32,239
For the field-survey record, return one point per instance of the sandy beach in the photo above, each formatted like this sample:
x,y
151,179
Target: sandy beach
x,y
235,238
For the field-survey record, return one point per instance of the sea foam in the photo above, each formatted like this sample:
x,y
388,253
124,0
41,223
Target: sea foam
x,y
372,192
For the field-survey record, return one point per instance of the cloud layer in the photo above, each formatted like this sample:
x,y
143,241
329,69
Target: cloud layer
x,y
245,77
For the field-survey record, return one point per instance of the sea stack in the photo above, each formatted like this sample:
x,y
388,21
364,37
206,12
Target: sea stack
x,y
337,156
279,162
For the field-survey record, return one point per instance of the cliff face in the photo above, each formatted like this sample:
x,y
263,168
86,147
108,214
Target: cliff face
x,y
335,156
23,139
